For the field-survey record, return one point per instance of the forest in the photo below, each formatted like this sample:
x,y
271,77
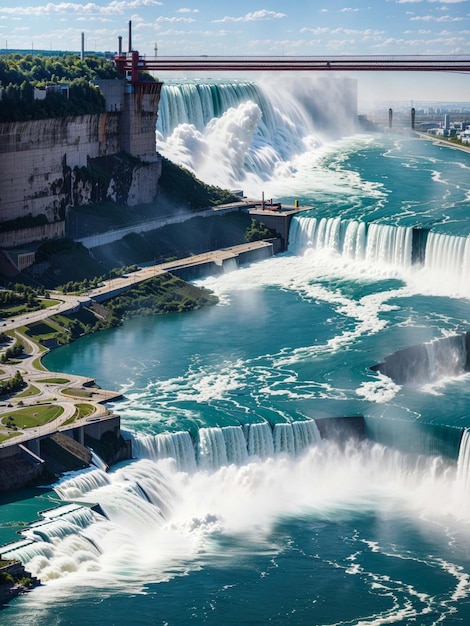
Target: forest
x,y
21,73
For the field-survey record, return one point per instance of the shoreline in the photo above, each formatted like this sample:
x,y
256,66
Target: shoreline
x,y
444,142
70,391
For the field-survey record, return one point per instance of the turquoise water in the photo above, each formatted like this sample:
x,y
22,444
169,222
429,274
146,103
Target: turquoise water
x,y
235,511
21,507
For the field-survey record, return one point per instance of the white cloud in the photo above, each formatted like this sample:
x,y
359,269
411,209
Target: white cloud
x,y
185,10
367,32
75,8
432,18
171,20
264,14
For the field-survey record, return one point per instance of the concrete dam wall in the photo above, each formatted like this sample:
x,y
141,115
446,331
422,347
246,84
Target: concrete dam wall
x,y
38,158
49,165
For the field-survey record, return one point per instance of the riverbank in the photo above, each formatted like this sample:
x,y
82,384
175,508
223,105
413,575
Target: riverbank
x,y
81,412
444,142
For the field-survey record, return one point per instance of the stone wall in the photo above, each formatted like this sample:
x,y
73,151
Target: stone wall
x,y
12,238
38,157
49,165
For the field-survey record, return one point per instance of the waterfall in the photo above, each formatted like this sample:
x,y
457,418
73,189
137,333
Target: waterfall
x,y
61,522
196,103
218,446
375,243
463,462
428,362
229,265
235,445
415,437
444,259
72,487
138,499
390,245
97,461
63,526
447,257
239,133
178,446
446,356
211,449
260,440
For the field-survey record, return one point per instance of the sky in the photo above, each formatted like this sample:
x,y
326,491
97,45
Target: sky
x,y
259,27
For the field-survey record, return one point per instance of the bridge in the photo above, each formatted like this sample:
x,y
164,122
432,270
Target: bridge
x,y
132,63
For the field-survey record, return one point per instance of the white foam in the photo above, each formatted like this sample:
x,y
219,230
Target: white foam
x,y
381,390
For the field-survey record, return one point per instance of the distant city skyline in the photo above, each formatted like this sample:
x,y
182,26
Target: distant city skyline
x,y
273,27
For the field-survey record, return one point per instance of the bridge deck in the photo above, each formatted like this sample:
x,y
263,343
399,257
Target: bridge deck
x,y
419,63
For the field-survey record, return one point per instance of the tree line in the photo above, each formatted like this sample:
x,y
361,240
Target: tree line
x,y
16,383
21,73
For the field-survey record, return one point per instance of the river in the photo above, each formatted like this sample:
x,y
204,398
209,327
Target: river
x,y
235,510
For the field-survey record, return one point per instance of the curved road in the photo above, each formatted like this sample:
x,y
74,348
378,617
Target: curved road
x,y
52,393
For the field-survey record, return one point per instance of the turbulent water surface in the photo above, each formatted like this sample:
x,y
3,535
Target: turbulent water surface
x,y
235,510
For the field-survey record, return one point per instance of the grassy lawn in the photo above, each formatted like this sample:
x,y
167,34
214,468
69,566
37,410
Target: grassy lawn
x,y
30,391
17,309
26,330
32,416
38,365
84,410
81,410
54,381
77,393
23,307
4,437
45,304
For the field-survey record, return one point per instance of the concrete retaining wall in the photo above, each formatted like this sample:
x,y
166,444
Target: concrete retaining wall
x,y
38,156
13,238
41,165
18,470
102,239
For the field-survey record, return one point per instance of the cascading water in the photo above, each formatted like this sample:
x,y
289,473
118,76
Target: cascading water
x,y
374,243
178,446
463,464
141,497
435,360
215,447
447,259
241,133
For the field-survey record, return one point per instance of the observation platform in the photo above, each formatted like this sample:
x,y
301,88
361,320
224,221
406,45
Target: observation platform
x,y
276,216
